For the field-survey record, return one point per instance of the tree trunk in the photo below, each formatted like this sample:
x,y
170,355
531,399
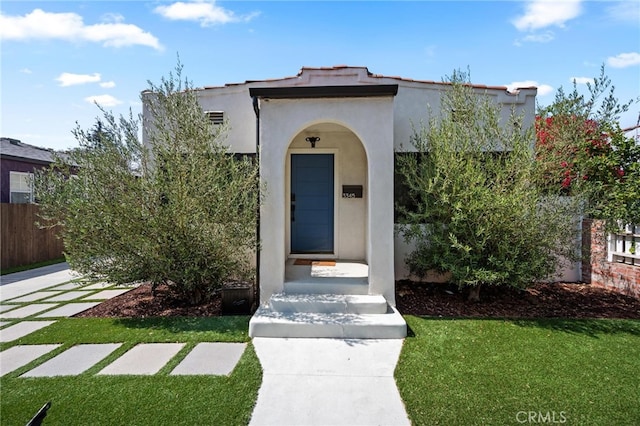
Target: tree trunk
x,y
474,293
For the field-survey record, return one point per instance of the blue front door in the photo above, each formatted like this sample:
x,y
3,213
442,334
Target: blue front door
x,y
312,203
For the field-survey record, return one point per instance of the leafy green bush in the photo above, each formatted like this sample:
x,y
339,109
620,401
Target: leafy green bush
x,y
479,214
179,209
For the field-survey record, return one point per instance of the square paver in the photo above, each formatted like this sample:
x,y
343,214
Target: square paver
x,y
107,294
33,296
211,358
68,310
144,359
74,360
26,311
69,286
21,329
68,295
21,355
97,286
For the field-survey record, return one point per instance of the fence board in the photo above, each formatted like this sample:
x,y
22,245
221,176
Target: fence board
x,y
22,241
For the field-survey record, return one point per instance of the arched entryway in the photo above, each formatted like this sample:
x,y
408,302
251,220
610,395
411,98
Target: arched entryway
x,y
326,194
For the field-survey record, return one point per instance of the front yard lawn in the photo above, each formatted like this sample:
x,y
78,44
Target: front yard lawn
x,y
160,399
474,372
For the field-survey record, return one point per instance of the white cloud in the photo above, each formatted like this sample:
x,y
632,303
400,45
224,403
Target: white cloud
x,y
625,11
545,37
26,71
545,13
205,12
68,79
543,89
108,84
41,25
581,80
103,100
624,60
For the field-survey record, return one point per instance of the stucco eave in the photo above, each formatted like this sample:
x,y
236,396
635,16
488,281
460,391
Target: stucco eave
x,y
299,92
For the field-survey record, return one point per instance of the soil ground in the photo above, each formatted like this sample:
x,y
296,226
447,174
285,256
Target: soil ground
x,y
557,300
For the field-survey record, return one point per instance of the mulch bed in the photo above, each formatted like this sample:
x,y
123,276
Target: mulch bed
x,y
140,303
557,300
545,300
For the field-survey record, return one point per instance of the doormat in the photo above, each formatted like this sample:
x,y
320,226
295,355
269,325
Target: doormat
x,y
309,262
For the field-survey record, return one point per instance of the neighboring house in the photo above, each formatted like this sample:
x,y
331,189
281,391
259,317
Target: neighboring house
x,y
23,243
18,161
326,140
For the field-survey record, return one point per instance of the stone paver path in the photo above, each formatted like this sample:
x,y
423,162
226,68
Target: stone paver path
x,y
18,356
106,294
211,358
74,360
33,296
21,329
144,359
49,287
70,286
25,311
66,296
68,310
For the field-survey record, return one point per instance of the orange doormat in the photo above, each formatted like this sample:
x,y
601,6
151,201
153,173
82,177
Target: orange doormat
x,y
309,262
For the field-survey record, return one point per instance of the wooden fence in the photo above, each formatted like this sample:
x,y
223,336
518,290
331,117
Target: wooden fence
x,y
22,241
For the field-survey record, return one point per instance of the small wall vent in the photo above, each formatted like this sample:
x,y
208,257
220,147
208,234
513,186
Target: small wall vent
x,y
216,117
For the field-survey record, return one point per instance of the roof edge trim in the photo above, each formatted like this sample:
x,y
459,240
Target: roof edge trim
x,y
301,92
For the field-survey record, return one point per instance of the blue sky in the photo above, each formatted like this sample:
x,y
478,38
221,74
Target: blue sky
x,y
57,58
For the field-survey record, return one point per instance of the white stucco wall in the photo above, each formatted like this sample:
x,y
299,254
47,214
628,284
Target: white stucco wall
x,y
371,121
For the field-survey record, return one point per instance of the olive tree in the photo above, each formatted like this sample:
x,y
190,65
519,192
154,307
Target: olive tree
x,y
477,214
179,209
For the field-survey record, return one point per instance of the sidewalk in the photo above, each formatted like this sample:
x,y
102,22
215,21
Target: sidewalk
x,y
328,382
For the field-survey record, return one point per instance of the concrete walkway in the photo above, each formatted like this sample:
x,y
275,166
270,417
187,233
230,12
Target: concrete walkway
x,y
328,382
47,293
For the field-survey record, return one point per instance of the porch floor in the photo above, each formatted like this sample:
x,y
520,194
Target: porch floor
x,y
352,271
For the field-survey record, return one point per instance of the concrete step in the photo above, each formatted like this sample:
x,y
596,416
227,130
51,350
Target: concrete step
x,y
327,286
269,323
329,303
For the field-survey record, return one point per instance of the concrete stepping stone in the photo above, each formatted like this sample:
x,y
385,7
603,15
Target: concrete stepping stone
x,y
107,294
144,359
21,355
33,296
97,286
70,286
3,323
211,358
21,329
6,307
26,311
68,310
74,360
66,296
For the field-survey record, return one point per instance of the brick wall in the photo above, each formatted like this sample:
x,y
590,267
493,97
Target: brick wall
x,y
598,271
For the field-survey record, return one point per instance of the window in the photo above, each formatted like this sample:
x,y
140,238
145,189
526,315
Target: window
x,y
20,187
216,117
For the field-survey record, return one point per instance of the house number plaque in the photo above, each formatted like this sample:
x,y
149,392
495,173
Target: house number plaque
x,y
351,191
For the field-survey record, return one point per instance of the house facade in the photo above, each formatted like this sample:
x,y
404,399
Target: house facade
x,y
18,161
326,140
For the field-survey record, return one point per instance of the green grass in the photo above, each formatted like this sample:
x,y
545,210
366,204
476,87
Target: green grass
x,y
136,400
473,372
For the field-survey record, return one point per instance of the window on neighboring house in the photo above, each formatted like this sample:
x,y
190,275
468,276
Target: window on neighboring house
x,y
20,187
216,117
